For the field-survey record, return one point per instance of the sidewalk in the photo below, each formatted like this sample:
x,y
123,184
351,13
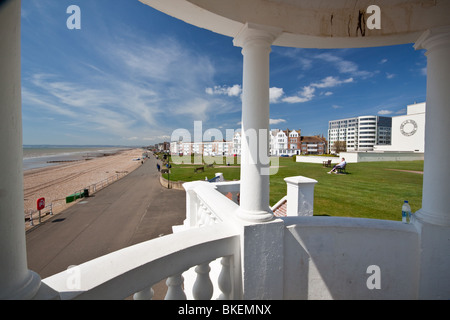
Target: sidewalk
x,y
132,210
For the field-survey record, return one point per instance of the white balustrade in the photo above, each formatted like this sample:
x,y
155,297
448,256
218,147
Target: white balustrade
x,y
203,287
146,294
133,270
175,288
225,282
206,203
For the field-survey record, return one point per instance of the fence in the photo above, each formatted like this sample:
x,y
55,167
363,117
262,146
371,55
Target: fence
x,y
91,189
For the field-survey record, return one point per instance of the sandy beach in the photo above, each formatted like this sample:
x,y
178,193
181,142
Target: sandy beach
x,y
55,183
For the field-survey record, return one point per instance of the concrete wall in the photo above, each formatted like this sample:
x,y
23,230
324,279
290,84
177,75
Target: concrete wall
x,y
328,258
408,131
313,159
355,157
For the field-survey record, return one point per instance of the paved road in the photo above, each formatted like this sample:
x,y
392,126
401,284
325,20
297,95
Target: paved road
x,y
134,209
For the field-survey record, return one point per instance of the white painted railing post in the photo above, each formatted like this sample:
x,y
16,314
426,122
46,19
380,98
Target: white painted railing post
x,y
175,288
192,205
225,279
146,294
300,196
203,287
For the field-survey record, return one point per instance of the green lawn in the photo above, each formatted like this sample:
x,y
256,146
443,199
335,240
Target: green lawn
x,y
369,190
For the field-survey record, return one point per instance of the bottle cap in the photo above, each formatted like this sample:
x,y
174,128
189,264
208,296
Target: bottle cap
x,y
406,201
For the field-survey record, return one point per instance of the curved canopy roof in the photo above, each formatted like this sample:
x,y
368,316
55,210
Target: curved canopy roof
x,y
314,23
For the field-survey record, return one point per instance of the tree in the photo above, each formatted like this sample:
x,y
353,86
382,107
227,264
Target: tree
x,y
339,146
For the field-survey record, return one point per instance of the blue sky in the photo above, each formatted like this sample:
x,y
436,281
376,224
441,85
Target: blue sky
x,y
132,75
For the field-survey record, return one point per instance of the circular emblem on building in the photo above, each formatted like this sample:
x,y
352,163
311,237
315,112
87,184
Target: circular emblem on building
x,y
408,127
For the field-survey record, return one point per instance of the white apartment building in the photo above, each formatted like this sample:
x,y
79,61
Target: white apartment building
x,y
278,142
207,148
281,142
236,147
360,133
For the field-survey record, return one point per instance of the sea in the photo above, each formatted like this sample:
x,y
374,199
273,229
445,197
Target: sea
x,y
40,156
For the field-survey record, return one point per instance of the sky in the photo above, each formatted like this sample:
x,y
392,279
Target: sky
x,y
131,75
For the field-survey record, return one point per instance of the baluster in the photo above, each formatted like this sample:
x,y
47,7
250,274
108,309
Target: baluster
x,y
146,294
202,214
214,219
203,287
224,281
175,288
208,215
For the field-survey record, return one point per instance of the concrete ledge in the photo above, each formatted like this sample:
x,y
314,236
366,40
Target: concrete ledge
x,y
177,185
316,159
370,156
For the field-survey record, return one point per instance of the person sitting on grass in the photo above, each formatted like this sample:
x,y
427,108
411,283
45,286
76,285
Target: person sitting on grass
x,y
342,164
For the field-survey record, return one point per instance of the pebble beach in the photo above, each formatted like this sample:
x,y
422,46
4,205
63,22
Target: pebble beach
x,y
55,183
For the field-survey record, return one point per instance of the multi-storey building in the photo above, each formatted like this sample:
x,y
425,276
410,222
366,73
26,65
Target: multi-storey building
x,y
285,142
236,148
278,142
294,143
313,145
359,133
281,143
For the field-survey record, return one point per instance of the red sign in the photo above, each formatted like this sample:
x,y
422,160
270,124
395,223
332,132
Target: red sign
x,y
41,203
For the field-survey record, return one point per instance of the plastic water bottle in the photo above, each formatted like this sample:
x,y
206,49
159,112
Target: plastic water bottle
x,y
406,212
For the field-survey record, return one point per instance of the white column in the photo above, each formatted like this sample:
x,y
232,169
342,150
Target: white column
x,y
436,183
254,200
433,219
17,282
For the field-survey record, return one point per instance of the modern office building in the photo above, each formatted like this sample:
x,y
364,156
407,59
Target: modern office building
x,y
359,133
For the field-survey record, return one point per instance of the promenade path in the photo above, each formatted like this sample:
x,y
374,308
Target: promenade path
x,y
132,210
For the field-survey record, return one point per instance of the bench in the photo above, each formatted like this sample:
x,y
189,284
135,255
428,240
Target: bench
x,y
326,163
199,169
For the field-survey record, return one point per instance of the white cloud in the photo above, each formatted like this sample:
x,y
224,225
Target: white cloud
x,y
196,108
233,91
140,85
383,61
305,95
276,121
344,66
384,112
389,75
236,90
334,106
308,92
330,82
275,94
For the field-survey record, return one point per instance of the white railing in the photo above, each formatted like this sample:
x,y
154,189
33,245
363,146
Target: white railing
x,y
134,270
217,255
209,237
206,203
